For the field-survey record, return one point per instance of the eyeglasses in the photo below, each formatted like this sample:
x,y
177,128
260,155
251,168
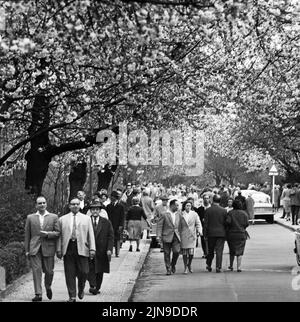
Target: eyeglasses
x,y
74,204
41,203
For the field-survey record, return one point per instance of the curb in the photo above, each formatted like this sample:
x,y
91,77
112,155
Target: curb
x,y
15,284
132,288
285,225
128,292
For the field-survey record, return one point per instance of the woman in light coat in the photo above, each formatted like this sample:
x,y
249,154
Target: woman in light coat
x,y
286,201
190,228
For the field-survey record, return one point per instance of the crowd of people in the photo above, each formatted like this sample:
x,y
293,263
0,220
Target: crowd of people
x,y
87,234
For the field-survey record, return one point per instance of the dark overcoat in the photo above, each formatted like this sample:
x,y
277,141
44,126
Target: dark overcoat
x,y
104,238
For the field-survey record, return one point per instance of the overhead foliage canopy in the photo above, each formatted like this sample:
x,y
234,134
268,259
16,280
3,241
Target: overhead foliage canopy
x,y
69,68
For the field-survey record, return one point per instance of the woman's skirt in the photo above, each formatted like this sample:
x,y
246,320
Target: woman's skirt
x,y
134,229
287,206
236,245
187,251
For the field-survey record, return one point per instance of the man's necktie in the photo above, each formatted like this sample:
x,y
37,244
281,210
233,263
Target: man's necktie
x,y
73,237
95,222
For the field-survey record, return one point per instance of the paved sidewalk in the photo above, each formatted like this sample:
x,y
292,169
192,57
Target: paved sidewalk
x,y
116,287
284,222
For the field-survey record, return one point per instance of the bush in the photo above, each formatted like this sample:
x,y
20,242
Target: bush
x,y
15,205
13,259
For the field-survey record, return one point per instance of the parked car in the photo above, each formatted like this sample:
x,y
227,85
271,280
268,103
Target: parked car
x,y
263,208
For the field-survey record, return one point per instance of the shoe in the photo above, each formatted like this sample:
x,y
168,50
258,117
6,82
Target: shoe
x,y
95,291
173,269
239,270
190,269
218,270
209,268
117,255
169,272
230,268
81,294
130,249
203,256
71,300
138,250
185,271
37,298
161,250
92,290
49,293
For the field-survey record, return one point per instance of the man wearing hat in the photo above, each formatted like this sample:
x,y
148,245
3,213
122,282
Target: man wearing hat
x,y
116,216
104,239
159,211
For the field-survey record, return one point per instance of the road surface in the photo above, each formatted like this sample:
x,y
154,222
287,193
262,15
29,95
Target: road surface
x,y
269,273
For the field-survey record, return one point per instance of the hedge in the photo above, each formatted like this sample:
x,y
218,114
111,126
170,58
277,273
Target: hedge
x,y
13,259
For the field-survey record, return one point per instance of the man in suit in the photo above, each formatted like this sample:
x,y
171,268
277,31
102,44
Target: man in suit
x,y
214,232
201,213
168,234
41,233
104,238
115,212
84,205
159,210
242,199
76,244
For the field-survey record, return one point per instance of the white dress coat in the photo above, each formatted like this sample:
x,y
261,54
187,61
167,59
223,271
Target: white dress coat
x,y
189,226
84,234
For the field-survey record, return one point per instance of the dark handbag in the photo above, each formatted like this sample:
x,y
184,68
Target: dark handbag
x,y
247,234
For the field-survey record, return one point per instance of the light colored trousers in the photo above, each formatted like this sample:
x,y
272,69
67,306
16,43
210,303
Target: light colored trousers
x,y
41,264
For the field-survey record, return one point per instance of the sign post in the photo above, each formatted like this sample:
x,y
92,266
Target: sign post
x,y
273,172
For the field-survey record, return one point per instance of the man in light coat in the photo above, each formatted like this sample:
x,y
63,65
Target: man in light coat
x,y
169,235
148,207
41,233
76,245
250,208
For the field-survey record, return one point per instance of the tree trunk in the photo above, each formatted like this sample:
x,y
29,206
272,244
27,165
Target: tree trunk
x,y
77,178
37,157
36,171
104,176
218,179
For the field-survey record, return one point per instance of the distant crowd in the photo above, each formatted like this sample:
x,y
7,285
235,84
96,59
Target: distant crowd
x,y
180,217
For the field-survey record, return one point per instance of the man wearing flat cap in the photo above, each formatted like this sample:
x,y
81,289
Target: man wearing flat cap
x,y
116,216
104,239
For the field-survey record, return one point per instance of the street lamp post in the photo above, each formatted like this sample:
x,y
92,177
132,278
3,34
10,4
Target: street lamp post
x,y
273,172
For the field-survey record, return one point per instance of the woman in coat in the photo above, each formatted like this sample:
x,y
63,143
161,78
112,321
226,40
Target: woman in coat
x,y
237,221
286,201
134,223
104,239
190,228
